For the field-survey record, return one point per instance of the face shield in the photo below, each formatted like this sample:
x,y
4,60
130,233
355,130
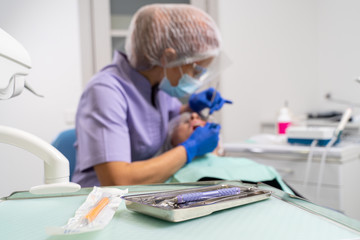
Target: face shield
x,y
217,66
209,75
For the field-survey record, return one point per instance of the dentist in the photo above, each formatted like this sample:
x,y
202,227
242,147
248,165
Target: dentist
x,y
123,114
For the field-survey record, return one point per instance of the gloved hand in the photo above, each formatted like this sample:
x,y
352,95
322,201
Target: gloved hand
x,y
199,101
203,140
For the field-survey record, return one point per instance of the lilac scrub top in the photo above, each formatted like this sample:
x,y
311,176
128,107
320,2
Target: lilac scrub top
x,y
116,120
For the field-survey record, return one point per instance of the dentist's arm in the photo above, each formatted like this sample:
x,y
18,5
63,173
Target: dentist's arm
x,y
154,170
159,169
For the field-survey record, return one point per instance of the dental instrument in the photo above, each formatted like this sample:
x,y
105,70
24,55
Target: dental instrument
x,y
207,115
305,135
309,162
200,196
313,136
345,118
194,202
213,97
329,97
197,198
15,64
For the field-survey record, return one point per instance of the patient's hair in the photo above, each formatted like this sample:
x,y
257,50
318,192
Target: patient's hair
x,y
178,134
173,125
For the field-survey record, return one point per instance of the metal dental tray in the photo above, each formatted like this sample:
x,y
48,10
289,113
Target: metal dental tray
x,y
162,205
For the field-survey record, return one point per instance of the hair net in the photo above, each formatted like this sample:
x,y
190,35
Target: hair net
x,y
191,32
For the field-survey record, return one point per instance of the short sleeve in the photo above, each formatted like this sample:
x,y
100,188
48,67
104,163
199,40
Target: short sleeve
x,y
174,107
102,129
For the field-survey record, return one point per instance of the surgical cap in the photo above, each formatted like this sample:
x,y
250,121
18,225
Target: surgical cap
x,y
188,30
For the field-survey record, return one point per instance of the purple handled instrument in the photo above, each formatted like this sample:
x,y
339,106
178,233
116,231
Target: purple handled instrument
x,y
201,196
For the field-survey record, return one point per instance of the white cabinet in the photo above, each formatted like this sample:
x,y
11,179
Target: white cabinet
x,y
339,188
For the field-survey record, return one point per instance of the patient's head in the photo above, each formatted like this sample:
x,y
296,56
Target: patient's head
x,y
180,129
185,126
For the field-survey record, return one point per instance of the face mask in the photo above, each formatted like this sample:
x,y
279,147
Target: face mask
x,y
186,86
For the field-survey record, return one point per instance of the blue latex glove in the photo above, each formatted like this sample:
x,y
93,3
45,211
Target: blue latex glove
x,y
203,140
199,101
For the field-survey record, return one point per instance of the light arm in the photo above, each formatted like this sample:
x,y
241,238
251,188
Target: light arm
x,y
56,166
15,65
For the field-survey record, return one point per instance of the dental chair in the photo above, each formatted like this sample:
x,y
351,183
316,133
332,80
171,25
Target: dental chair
x,y
64,142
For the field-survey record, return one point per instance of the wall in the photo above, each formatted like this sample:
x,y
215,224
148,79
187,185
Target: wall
x,y
273,48
286,50
339,51
49,31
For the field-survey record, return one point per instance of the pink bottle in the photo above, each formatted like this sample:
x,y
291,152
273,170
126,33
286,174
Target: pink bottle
x,y
284,120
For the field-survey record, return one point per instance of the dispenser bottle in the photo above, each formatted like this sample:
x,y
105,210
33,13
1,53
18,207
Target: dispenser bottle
x,y
284,119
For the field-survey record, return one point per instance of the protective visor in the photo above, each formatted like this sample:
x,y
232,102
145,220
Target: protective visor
x,y
216,67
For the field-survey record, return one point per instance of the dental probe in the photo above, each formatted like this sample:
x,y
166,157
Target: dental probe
x,y
212,99
345,118
329,97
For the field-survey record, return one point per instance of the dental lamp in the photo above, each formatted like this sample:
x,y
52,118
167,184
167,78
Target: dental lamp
x,y
15,64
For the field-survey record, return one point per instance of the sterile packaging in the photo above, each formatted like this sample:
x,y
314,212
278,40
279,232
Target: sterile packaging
x,y
94,214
